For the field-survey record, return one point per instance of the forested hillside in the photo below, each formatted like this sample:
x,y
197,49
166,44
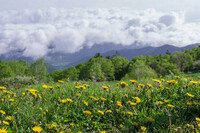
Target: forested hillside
x,y
104,69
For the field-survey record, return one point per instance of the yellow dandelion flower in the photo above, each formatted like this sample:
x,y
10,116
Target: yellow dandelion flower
x,y
174,82
64,101
85,103
2,88
82,87
77,87
192,83
71,124
5,123
87,112
133,104
96,99
32,90
197,119
3,130
119,104
169,105
7,92
44,86
117,110
130,113
10,118
109,111
2,112
143,128
137,99
166,101
120,126
125,95
12,100
91,97
157,81
187,125
162,80
142,85
103,99
105,88
60,81
51,87
100,112
54,125
33,93
189,104
103,132
69,100
37,129
123,84
85,85
149,85
190,95
78,95
160,85
129,102
159,102
133,81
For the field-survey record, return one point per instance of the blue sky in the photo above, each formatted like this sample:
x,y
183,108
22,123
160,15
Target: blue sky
x,y
38,27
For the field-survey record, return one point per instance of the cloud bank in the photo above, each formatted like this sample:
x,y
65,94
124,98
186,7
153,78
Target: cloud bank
x,y
38,32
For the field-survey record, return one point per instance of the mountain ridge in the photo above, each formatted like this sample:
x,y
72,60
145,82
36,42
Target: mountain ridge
x,y
149,50
64,60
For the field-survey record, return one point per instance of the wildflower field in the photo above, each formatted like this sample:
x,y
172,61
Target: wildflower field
x,y
156,105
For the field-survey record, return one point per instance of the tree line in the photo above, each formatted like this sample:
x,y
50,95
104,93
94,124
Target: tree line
x,y
107,69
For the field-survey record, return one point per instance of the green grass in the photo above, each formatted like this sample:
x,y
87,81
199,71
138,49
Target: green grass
x,y
46,109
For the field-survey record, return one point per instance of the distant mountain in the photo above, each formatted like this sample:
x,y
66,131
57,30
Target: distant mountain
x,y
63,60
130,53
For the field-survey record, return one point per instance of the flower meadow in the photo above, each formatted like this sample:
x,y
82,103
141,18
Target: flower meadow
x,y
156,105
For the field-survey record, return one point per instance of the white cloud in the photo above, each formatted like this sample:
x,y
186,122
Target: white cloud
x,y
37,32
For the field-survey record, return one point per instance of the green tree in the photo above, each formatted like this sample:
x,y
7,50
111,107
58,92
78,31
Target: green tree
x,y
5,70
139,69
182,60
83,71
121,66
104,69
59,75
20,67
108,69
38,69
73,73
95,72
